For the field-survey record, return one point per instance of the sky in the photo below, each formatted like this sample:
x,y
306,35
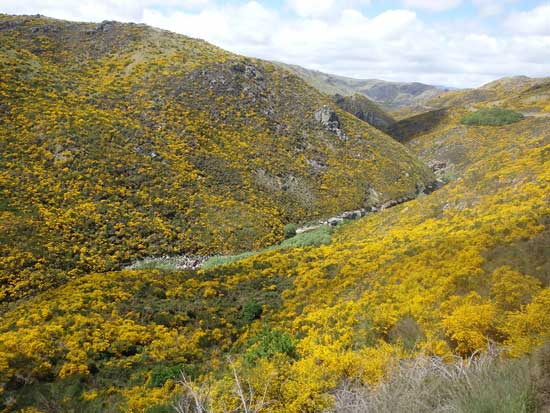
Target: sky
x,y
457,43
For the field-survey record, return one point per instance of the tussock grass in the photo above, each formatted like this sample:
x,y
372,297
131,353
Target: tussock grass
x,y
483,383
315,238
153,264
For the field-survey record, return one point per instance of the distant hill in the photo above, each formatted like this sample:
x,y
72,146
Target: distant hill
x,y
498,92
391,95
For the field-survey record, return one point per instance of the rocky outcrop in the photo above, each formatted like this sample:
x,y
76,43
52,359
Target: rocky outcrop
x,y
103,27
329,119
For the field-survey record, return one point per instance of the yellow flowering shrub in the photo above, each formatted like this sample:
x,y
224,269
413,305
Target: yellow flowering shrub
x,y
443,274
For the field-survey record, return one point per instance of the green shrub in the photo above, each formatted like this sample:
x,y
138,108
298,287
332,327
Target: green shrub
x,y
268,343
160,374
491,117
290,230
251,311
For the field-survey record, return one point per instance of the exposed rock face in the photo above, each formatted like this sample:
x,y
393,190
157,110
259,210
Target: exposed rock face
x,y
436,165
317,166
443,170
105,26
363,108
329,119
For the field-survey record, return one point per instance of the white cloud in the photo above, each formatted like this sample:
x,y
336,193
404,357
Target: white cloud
x,y
307,8
532,22
338,37
238,28
432,5
322,8
96,10
487,8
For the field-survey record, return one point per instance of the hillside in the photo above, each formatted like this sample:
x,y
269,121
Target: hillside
x,y
365,109
390,95
529,96
121,141
499,92
442,275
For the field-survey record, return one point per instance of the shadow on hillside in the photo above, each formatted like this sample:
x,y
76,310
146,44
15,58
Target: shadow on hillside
x,y
410,128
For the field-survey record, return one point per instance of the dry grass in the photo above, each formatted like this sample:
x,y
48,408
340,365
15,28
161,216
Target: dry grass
x,y
483,383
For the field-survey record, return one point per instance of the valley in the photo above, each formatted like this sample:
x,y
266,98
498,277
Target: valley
x,y
184,228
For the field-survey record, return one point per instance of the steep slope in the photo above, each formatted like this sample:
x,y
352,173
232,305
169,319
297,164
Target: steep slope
x,y
391,95
444,274
120,141
416,125
365,109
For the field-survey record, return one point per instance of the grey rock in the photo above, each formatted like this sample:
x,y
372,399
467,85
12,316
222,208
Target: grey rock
x,y
317,165
105,26
329,119
436,165
353,214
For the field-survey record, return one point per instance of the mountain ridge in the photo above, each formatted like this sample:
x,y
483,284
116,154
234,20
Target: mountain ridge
x,y
391,95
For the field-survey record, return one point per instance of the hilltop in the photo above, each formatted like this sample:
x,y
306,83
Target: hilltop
x,y
499,92
121,141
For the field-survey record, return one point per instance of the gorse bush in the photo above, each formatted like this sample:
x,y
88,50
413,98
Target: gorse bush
x,y
492,117
126,144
